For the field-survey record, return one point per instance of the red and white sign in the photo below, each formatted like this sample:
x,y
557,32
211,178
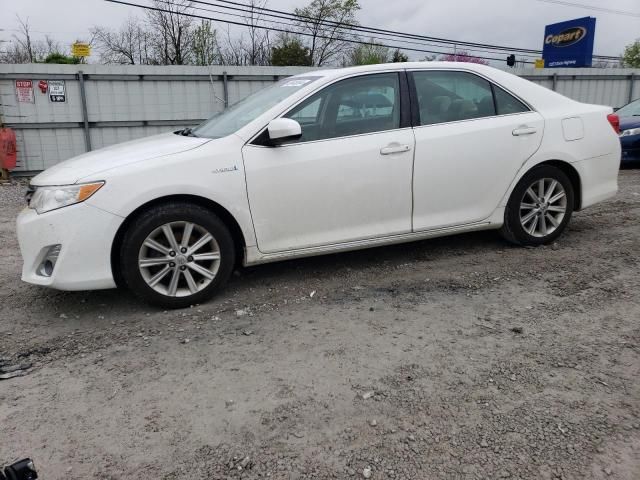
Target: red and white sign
x,y
24,91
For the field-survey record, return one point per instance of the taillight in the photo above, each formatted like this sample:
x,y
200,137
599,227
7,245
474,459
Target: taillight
x,y
614,120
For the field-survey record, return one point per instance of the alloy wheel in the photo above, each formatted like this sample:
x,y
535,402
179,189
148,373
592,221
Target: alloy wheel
x,y
543,207
179,259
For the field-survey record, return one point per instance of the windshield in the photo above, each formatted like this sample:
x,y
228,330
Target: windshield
x,y
630,110
234,118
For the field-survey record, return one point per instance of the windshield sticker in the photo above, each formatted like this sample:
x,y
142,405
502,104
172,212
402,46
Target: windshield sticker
x,y
296,83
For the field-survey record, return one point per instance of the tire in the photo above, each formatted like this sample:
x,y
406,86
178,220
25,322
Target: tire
x,y
531,220
151,261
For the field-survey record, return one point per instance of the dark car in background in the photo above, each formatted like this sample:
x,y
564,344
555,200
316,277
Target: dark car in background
x,y
630,131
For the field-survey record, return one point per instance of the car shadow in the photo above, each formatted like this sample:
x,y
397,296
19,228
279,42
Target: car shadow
x,y
339,264
288,273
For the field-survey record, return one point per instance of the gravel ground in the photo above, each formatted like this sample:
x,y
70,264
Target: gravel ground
x,y
455,358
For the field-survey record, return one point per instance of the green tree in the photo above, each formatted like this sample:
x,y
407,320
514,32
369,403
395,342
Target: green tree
x,y
369,54
290,51
327,40
631,55
204,44
61,58
398,56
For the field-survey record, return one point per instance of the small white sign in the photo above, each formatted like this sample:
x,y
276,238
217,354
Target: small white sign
x,y
24,91
57,91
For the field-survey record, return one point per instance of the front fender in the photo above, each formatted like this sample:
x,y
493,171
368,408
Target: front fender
x,y
214,172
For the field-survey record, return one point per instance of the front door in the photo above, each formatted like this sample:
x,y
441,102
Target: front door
x,y
347,178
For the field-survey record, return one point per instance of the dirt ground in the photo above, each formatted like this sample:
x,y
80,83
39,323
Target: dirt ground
x,y
456,358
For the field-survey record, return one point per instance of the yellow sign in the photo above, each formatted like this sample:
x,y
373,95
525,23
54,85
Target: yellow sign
x,y
80,49
539,63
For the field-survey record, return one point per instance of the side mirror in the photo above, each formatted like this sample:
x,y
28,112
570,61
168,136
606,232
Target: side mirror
x,y
282,129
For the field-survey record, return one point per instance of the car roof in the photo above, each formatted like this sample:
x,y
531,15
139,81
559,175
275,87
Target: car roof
x,y
340,72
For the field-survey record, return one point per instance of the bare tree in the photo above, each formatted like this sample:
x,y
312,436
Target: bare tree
x,y
52,45
128,45
172,30
22,48
259,47
24,39
327,40
232,49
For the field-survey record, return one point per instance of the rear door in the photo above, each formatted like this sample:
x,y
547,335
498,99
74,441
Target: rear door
x,y
472,137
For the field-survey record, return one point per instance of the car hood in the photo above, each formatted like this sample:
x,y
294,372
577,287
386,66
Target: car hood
x,y
629,122
92,163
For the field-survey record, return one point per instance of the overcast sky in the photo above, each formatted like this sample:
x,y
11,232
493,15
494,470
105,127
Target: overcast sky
x,y
517,23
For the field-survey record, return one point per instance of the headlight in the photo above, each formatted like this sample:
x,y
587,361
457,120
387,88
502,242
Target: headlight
x,y
631,131
45,199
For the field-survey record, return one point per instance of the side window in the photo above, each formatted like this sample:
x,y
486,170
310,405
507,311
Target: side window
x,y
365,104
507,103
308,114
451,96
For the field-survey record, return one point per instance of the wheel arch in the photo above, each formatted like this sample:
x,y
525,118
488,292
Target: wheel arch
x,y
570,171
222,213
565,166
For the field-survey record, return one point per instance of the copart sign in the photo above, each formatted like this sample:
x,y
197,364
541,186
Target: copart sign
x,y
569,44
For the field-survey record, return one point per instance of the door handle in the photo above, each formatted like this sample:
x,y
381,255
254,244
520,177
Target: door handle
x,y
524,130
394,148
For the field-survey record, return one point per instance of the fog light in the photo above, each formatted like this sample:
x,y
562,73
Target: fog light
x,y
49,261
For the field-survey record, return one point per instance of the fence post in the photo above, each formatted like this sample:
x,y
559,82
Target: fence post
x,y
555,82
632,81
225,87
85,115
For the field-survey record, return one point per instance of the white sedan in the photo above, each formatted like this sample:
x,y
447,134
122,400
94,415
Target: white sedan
x,y
322,162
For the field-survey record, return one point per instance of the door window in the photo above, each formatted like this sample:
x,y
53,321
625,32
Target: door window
x,y
365,104
309,114
452,96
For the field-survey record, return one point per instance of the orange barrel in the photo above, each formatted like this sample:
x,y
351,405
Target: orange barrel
x,y
8,151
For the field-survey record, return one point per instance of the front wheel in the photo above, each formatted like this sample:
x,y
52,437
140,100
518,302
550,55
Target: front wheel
x,y
176,255
539,208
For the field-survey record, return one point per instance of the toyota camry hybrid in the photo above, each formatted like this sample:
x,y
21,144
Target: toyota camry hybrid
x,y
326,161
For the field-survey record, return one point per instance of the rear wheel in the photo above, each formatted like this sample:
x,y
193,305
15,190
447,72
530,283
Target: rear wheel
x,y
176,255
539,208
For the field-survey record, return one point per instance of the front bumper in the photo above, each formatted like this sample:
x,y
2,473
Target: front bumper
x,y
85,234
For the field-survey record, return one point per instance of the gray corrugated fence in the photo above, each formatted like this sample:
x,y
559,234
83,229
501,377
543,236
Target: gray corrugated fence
x,y
126,102
614,87
121,103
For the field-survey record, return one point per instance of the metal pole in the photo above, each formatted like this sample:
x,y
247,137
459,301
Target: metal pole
x,y
632,81
85,115
225,86
555,82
